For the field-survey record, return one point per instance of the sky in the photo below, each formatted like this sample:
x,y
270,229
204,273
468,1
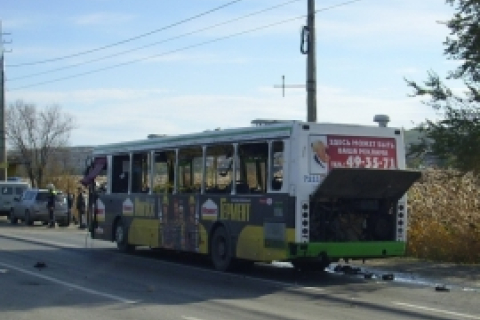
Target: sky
x,y
125,69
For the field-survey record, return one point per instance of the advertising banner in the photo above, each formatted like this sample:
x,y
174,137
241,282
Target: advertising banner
x,y
337,151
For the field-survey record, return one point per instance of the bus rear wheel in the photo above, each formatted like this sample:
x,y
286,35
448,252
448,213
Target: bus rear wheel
x,y
121,238
221,252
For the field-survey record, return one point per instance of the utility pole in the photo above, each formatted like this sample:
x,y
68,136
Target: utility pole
x,y
308,48
3,148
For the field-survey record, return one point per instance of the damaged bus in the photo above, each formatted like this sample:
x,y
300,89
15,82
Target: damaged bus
x,y
306,193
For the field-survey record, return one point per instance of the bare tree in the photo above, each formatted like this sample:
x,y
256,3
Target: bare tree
x,y
37,135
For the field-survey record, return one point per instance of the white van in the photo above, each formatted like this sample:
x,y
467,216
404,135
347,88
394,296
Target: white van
x,y
8,191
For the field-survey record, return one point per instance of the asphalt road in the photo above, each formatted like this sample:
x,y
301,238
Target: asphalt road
x,y
86,279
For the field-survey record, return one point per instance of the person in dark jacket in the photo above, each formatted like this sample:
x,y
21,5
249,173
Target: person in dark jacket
x,y
81,207
70,201
51,204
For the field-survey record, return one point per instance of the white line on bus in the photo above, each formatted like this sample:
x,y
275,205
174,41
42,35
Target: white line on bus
x,y
413,306
69,285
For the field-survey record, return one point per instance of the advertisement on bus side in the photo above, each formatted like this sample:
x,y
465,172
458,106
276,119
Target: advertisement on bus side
x,y
337,151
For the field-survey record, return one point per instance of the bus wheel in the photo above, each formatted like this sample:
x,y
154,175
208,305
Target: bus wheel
x,y
121,238
221,254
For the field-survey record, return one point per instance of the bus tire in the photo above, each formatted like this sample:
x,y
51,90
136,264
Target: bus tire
x,y
121,238
221,251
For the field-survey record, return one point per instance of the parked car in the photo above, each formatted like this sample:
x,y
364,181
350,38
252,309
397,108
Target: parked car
x,y
9,190
32,206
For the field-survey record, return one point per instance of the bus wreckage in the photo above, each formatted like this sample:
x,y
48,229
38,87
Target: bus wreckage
x,y
306,193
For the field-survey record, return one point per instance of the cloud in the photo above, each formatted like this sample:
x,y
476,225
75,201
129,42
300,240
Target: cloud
x,y
394,24
114,115
15,23
81,97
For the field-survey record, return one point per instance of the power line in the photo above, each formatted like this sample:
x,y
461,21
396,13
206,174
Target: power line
x,y
184,48
126,40
154,43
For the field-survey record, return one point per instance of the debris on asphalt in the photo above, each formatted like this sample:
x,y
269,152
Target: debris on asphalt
x,y
338,268
40,265
442,288
388,277
347,269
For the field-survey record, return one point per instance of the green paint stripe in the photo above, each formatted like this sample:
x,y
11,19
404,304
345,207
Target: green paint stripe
x,y
352,249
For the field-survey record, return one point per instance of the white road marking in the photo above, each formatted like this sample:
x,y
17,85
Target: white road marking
x,y
313,288
413,306
69,285
42,241
190,318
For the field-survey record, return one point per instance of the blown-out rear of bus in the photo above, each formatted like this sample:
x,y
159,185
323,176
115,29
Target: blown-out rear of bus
x,y
307,193
349,184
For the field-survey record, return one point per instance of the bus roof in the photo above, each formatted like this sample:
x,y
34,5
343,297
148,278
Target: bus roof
x,y
207,137
264,129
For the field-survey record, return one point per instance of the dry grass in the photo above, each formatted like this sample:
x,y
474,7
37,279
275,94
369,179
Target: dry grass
x,y
66,183
444,223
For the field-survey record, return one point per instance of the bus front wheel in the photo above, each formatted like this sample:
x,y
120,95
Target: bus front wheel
x,y
221,252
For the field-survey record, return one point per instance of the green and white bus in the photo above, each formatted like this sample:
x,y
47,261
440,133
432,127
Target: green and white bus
x,y
307,193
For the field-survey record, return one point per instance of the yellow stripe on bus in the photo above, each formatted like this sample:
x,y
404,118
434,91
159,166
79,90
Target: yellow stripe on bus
x,y
251,245
144,232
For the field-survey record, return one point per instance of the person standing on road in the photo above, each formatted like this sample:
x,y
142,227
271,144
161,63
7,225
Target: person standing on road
x,y
70,200
81,206
51,204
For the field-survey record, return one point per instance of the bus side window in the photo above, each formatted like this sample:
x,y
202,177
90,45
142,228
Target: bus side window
x,y
163,172
252,162
120,172
140,173
219,166
190,169
277,165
